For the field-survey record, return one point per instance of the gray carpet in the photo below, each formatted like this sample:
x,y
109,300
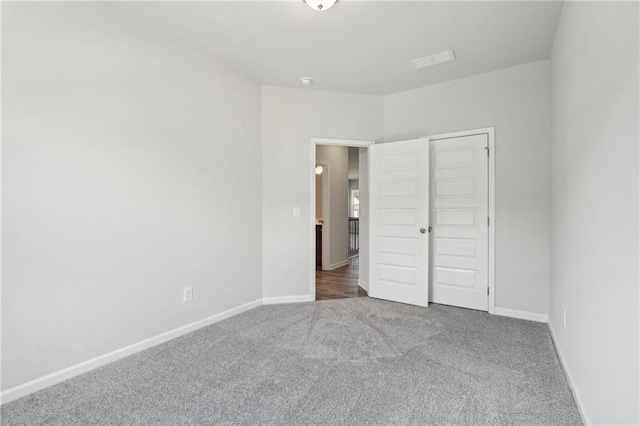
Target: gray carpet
x,y
352,361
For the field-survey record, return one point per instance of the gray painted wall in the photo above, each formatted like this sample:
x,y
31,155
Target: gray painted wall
x,y
290,117
319,196
516,102
594,206
119,150
354,162
337,222
363,183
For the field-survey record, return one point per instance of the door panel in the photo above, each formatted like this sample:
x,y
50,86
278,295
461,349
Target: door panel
x,y
459,212
399,207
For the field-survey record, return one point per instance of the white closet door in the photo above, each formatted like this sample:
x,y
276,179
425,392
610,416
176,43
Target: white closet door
x,y
399,220
459,219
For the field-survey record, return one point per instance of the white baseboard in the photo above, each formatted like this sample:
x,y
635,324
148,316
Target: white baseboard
x,y
363,286
338,265
288,299
83,367
567,373
525,315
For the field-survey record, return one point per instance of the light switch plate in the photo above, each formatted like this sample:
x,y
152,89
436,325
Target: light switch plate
x,y
187,294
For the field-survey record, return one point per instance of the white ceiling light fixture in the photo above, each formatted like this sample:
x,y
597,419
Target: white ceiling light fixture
x,y
307,81
319,169
429,61
320,5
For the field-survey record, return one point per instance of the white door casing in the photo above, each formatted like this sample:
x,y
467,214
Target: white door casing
x,y
459,207
312,219
399,219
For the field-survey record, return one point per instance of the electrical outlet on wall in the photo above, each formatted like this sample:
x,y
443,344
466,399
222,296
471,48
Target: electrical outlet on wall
x,y
187,294
564,318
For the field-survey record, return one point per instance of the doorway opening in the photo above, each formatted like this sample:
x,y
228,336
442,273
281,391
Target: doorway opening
x,y
340,231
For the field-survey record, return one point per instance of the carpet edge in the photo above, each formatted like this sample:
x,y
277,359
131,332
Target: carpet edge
x,y
67,373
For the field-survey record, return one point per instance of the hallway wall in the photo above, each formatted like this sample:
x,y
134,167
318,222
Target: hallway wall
x,y
337,160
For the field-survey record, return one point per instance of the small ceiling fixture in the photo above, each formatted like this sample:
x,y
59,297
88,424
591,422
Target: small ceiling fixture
x,y
307,81
319,169
429,61
320,5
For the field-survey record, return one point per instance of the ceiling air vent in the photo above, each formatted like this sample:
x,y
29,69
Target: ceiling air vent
x,y
429,61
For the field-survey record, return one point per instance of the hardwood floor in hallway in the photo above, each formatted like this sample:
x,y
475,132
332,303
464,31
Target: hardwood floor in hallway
x,y
340,283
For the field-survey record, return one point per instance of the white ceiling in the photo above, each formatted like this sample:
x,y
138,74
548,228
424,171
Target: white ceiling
x,y
356,46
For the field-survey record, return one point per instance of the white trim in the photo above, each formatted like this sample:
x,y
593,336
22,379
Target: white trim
x,y
490,132
83,367
312,200
363,285
338,265
462,133
525,315
288,299
341,142
574,390
75,370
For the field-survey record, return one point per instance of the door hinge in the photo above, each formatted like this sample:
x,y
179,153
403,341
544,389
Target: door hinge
x,y
487,148
488,221
487,291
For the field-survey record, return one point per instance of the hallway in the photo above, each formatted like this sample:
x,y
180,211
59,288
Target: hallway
x,y
340,283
